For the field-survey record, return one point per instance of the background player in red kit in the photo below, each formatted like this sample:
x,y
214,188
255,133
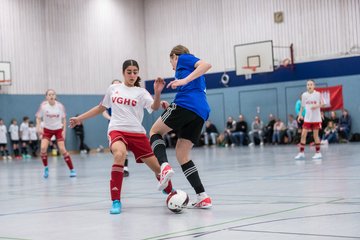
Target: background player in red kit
x,y
125,132
52,113
312,101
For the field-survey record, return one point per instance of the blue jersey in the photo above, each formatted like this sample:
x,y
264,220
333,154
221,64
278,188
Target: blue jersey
x,y
297,108
192,95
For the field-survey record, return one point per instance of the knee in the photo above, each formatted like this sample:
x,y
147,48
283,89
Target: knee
x,y
119,157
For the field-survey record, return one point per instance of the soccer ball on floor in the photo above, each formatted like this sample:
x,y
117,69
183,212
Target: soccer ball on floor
x,y
177,201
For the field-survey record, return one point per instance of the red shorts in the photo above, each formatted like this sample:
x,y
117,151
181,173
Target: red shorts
x,y
49,133
311,125
138,143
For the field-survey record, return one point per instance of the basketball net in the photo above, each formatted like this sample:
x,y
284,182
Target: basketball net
x,y
248,76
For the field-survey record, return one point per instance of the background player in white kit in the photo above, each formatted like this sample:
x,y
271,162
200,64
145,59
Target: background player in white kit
x,y
14,138
3,141
312,101
53,115
125,132
25,137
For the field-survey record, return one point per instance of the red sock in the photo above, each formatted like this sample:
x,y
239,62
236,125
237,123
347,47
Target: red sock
x,y
117,174
68,161
317,147
44,159
302,147
168,188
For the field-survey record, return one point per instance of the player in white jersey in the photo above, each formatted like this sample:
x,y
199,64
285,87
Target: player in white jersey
x,y
312,101
52,113
125,131
3,141
25,137
14,138
107,114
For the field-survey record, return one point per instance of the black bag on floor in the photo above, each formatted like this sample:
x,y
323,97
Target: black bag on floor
x,y
355,137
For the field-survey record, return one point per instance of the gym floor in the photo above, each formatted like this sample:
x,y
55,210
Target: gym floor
x,y
258,193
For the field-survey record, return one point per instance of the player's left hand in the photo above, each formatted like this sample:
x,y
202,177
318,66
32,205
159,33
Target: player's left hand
x,y
177,83
159,84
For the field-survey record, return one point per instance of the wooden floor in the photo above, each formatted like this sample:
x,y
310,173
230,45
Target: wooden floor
x,y
258,193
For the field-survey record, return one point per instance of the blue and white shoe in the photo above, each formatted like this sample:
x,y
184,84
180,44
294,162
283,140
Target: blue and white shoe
x,y
72,173
46,172
116,207
164,192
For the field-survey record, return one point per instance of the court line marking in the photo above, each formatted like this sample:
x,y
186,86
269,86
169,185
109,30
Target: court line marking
x,y
241,219
10,238
299,234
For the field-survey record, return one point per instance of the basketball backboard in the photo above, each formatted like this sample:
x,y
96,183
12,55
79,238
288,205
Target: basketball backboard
x,y
5,73
256,57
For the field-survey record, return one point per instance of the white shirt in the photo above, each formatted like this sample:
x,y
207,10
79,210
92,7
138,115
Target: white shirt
x,y
24,130
127,107
52,115
14,132
307,101
3,138
32,134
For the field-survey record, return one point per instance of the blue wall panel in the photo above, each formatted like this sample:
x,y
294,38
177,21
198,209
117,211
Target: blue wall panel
x,y
218,117
266,102
274,93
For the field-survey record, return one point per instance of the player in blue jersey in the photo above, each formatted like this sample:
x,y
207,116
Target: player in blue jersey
x,y
185,115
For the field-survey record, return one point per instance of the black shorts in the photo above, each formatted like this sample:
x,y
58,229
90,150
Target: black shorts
x,y
3,145
185,123
300,123
14,142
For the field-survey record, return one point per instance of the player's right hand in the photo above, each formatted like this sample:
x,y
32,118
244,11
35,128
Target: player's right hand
x,y
164,104
40,131
74,121
299,118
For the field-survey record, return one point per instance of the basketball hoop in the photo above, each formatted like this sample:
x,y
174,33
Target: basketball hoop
x,y
253,68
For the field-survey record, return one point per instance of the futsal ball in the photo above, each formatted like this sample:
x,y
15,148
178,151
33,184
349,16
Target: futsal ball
x,y
286,62
177,200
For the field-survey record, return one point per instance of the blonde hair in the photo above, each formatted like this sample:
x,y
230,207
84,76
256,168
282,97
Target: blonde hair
x,y
178,50
47,91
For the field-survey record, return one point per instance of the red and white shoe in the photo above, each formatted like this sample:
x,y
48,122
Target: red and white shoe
x,y
166,172
202,201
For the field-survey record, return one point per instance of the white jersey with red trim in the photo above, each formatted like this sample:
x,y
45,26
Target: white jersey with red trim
x,y
307,101
127,107
52,115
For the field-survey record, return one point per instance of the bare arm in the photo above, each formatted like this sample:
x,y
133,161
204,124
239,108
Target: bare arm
x,y
201,67
300,113
158,87
89,114
106,115
38,125
64,127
